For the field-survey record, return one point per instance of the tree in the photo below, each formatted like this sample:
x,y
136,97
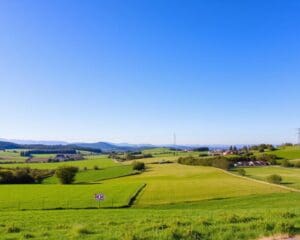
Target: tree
x,y
241,171
139,166
274,178
66,174
286,163
6,176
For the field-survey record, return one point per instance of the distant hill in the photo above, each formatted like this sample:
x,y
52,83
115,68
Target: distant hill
x,y
8,145
109,147
103,146
35,142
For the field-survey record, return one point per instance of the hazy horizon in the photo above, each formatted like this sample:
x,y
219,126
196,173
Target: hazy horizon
x,y
213,72
53,141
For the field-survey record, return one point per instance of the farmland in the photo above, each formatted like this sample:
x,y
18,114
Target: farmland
x,y
11,156
288,153
237,219
89,162
166,201
90,176
196,183
290,176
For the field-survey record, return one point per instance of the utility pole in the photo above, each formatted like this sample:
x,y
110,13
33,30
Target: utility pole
x,y
298,134
174,138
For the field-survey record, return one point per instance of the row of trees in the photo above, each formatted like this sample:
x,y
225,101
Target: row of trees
x,y
47,151
226,162
23,175
130,156
263,147
218,162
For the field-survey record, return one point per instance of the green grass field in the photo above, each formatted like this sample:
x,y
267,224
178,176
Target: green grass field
x,y
290,176
11,156
51,196
89,162
288,153
167,201
90,176
173,183
241,218
166,152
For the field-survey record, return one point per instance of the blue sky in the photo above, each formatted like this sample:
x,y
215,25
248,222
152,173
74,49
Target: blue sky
x,y
220,72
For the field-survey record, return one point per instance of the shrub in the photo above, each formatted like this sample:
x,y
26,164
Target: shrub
x,y
274,178
139,166
221,162
218,162
297,164
203,155
28,235
6,176
241,171
285,163
66,174
24,175
96,167
79,229
12,229
271,158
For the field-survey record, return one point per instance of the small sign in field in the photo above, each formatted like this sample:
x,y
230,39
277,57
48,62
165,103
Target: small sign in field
x,y
99,197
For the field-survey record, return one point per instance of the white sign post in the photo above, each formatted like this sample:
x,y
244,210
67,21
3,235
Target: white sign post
x,y
99,197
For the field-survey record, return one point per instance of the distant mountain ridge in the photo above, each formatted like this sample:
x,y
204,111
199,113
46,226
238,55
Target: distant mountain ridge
x,y
35,142
106,146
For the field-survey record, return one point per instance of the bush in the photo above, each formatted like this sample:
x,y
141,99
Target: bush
x,y
96,167
297,164
6,176
12,229
23,175
285,163
66,174
241,171
274,178
139,166
218,162
203,155
271,158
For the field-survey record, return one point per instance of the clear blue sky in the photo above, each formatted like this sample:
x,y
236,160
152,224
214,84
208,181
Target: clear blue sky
x,y
136,71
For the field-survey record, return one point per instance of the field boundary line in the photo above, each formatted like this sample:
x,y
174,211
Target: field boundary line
x,y
133,199
263,182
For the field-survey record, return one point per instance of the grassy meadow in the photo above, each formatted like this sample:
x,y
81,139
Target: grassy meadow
x,y
288,153
53,196
173,183
11,156
233,219
290,176
166,201
102,161
92,176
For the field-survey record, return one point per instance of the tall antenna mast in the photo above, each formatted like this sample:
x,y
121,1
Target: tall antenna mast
x,y
174,138
298,133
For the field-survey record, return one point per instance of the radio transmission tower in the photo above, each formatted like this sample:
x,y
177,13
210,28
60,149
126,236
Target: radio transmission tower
x,y
174,138
298,134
